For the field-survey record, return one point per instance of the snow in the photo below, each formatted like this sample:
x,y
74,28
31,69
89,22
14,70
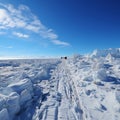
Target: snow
x,y
115,52
83,87
12,104
4,114
19,86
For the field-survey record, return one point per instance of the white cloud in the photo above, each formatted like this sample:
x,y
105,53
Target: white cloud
x,y
58,42
23,18
20,35
5,20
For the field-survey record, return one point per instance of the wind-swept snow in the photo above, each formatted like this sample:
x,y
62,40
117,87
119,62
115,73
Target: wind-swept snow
x,y
84,87
98,84
20,86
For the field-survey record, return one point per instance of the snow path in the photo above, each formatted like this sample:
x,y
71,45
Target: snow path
x,y
62,102
70,103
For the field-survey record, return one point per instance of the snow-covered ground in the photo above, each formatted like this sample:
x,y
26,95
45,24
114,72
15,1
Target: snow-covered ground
x,y
83,87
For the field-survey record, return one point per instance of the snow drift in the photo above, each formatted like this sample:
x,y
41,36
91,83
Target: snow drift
x,y
83,87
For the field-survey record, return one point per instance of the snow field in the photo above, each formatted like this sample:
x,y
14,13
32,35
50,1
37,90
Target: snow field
x,y
84,87
97,82
18,88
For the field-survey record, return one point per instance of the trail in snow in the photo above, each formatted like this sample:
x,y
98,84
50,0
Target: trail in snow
x,y
81,88
70,106
62,102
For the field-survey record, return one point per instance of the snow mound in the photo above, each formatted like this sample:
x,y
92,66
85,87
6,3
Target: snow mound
x,y
81,87
115,52
12,104
19,88
4,114
97,80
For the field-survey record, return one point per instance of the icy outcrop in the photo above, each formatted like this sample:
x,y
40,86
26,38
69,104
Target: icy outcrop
x,y
114,52
118,95
4,114
14,97
25,96
97,81
12,104
21,85
18,86
100,75
24,89
2,101
82,87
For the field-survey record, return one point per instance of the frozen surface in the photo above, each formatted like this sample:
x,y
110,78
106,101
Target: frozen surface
x,y
21,86
84,87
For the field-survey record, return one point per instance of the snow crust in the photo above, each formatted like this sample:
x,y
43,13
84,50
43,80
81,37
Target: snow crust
x,y
83,87
115,52
18,86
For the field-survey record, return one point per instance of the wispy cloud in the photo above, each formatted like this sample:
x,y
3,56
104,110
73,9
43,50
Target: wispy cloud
x,y
58,42
20,35
22,18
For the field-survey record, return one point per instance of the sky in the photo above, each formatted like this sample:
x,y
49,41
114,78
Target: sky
x,y
48,28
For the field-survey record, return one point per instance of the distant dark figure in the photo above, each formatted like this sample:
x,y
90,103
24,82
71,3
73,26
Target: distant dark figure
x,y
64,58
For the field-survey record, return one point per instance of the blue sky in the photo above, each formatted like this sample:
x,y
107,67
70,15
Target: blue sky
x,y
34,28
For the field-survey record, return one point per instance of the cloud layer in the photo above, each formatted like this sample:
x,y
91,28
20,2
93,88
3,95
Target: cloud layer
x,y
22,18
20,35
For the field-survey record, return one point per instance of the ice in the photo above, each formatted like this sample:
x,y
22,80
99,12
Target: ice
x,y
19,86
115,52
118,95
2,101
83,87
19,91
98,84
12,104
4,114
100,75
